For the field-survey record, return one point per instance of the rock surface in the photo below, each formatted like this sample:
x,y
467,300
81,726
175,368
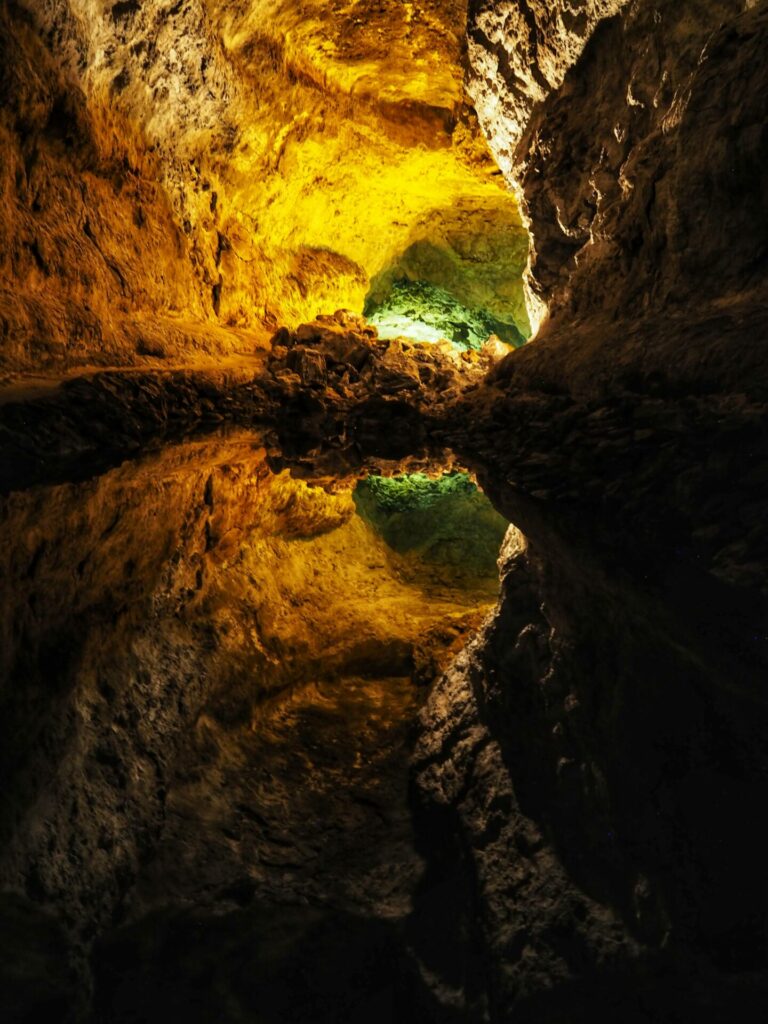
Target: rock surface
x,y
167,620
638,155
339,398
171,169
616,701
589,773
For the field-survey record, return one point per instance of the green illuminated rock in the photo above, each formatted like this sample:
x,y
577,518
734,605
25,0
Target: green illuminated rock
x,y
445,521
425,312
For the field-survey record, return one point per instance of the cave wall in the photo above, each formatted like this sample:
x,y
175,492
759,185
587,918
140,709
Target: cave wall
x,y
638,153
111,634
88,238
149,616
589,772
595,760
518,54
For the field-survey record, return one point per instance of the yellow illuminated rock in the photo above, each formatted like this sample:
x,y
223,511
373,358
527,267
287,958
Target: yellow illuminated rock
x,y
238,164
208,556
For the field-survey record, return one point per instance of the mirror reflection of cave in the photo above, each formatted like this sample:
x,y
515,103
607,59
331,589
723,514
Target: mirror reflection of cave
x,y
383,549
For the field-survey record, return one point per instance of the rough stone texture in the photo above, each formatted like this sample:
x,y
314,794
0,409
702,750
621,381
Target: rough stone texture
x,y
478,776
643,167
87,240
592,784
424,312
519,52
590,774
617,698
296,831
210,164
153,616
563,764
475,250
339,398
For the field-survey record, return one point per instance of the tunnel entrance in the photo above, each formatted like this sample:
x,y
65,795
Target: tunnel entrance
x,y
460,278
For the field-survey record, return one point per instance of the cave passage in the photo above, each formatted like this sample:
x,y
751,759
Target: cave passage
x,y
461,279
284,880
295,726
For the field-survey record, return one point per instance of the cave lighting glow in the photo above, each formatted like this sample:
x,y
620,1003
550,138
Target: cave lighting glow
x,y
423,311
394,326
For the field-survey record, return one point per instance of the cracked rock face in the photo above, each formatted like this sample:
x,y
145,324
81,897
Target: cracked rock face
x,y
634,134
519,52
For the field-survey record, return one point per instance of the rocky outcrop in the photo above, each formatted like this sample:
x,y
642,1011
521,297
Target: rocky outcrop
x,y
527,926
339,398
639,159
584,788
519,53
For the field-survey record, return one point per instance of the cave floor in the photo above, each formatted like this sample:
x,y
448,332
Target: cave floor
x,y
281,888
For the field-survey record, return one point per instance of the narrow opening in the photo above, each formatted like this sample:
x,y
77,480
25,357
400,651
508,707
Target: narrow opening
x,y
460,279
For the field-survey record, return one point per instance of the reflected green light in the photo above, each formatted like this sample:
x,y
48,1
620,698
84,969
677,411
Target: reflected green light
x,y
444,521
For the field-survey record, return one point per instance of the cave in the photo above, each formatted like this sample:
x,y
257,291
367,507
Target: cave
x,y
383,411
